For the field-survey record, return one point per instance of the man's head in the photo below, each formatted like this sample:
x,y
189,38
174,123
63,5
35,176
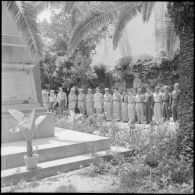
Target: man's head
x,y
176,86
72,90
130,91
61,90
106,90
157,88
97,89
89,90
148,90
139,90
165,88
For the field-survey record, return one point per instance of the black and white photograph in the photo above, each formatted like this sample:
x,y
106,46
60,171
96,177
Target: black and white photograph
x,y
97,97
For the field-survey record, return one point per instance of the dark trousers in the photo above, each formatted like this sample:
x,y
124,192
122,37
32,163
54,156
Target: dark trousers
x,y
165,110
175,112
148,112
51,104
61,106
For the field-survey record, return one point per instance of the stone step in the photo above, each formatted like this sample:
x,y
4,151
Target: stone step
x,y
51,168
66,143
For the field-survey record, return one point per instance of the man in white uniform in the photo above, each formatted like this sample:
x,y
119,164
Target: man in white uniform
x,y
62,101
81,101
98,101
107,104
116,104
89,102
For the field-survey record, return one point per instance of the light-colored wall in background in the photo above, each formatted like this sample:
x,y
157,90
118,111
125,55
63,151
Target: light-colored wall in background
x,y
139,38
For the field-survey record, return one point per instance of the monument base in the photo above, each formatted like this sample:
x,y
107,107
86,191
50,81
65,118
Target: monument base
x,y
46,128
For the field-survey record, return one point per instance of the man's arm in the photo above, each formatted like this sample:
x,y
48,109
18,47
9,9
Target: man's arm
x,y
57,98
170,99
66,101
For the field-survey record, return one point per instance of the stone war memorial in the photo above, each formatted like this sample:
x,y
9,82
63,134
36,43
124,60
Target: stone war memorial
x,y
21,88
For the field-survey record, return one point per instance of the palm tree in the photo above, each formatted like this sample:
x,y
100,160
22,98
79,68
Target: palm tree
x,y
102,13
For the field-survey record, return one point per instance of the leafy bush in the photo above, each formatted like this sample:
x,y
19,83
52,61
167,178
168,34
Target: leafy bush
x,y
156,168
93,124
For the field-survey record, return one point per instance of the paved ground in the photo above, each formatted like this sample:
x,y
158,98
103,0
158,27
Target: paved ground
x,y
74,181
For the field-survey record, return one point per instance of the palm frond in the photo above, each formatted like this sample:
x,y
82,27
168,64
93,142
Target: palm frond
x,y
19,116
25,17
74,15
30,118
97,17
125,16
147,10
39,120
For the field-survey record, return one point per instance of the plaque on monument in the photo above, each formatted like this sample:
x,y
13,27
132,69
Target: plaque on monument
x,y
18,86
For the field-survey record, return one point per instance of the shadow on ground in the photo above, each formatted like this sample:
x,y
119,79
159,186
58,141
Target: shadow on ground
x,y
66,188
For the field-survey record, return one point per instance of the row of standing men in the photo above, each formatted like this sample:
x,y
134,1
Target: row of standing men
x,y
130,106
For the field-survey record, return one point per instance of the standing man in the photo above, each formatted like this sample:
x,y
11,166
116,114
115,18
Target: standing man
x,y
98,100
81,101
116,104
125,106
131,106
52,101
89,102
72,100
45,98
175,102
165,104
148,105
157,96
62,101
107,104
139,99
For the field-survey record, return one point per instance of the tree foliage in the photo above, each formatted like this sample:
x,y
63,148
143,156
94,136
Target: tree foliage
x,y
24,15
104,77
103,13
63,70
151,70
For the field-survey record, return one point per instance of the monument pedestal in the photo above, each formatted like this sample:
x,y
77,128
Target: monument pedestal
x,y
21,84
46,128
19,93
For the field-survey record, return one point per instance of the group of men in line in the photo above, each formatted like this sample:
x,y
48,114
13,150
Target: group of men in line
x,y
128,106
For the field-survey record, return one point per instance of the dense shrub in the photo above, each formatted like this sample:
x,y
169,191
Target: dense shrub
x,y
152,71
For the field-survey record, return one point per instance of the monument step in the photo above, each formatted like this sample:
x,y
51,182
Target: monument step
x,y
51,168
66,143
